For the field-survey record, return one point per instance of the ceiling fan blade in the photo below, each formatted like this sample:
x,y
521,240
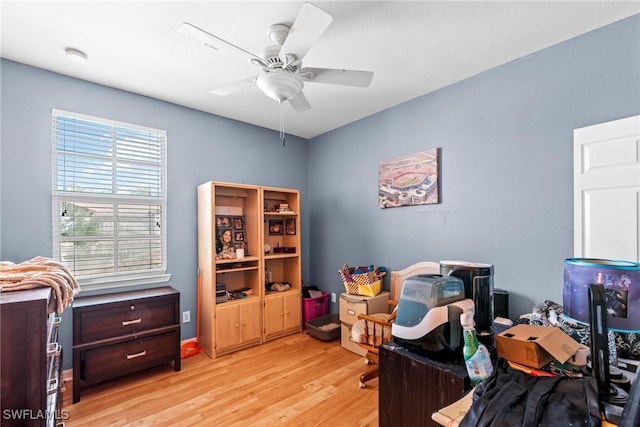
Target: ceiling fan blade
x,y
338,77
235,87
214,42
299,103
306,30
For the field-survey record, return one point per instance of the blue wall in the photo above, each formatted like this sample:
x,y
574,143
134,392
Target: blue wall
x,y
506,138
507,163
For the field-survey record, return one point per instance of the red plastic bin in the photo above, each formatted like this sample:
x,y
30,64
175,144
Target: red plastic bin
x,y
315,307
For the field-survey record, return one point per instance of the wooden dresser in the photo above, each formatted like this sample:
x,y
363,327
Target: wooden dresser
x,y
413,386
30,359
121,333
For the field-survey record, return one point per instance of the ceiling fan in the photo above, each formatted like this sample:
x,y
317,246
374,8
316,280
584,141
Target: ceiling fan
x,y
283,76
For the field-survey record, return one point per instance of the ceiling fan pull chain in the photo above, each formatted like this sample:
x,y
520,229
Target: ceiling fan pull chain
x,y
281,124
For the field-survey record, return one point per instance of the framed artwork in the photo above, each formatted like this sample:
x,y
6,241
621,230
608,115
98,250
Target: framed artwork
x,y
230,234
409,180
225,239
275,227
290,226
223,221
238,223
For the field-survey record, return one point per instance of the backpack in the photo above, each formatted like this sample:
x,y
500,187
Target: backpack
x,y
512,398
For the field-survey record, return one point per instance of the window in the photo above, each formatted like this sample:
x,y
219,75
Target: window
x,y
109,200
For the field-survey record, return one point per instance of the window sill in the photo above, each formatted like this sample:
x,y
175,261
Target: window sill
x,y
102,283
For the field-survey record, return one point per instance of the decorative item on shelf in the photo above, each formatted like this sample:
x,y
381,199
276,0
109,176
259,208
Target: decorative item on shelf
x,y
284,208
275,227
240,251
290,226
278,286
230,236
237,295
284,250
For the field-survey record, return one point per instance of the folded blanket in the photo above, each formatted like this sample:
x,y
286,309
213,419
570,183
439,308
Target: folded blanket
x,y
40,272
358,330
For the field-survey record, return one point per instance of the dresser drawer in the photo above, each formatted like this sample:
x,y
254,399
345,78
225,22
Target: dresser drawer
x,y
124,332
124,319
130,356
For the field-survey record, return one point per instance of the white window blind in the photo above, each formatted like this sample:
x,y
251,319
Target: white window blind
x,y
109,199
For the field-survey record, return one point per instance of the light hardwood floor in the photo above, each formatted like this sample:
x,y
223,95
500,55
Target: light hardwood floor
x,y
296,380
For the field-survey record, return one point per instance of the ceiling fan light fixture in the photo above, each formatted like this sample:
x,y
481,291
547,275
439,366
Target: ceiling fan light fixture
x,y
280,85
76,55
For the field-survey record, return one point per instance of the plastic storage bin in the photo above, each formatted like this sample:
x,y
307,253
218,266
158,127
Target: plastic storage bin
x,y
315,307
325,328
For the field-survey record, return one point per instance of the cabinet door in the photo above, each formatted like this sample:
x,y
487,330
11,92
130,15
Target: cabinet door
x,y
227,326
274,314
292,310
250,321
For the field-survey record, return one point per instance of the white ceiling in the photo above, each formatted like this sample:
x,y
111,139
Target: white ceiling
x,y
413,47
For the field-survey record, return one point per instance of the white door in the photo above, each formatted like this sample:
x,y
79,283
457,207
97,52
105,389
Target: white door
x,y
607,190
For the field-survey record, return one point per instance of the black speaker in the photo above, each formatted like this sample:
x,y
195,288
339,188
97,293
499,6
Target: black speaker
x,y
501,303
599,339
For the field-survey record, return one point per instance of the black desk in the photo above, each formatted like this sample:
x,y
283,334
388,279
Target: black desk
x,y
412,386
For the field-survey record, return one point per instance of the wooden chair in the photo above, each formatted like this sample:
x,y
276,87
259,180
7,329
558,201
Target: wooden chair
x,y
370,332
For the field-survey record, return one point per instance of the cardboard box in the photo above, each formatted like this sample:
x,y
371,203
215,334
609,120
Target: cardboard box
x,y
347,342
352,305
535,346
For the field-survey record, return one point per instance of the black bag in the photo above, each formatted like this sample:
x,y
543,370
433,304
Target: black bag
x,y
512,398
306,289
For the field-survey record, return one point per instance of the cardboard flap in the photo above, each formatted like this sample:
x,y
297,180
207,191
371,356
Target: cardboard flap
x,y
558,344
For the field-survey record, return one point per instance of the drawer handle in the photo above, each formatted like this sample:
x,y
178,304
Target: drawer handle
x,y
135,355
52,386
131,322
53,349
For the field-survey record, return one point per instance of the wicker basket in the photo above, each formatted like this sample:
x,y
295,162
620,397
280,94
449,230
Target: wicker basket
x,y
368,283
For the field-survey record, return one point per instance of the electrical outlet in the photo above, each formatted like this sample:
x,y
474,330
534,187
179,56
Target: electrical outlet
x,y
186,316
333,297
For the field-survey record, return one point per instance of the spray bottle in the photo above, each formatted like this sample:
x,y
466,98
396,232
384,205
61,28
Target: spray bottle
x,y
476,355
